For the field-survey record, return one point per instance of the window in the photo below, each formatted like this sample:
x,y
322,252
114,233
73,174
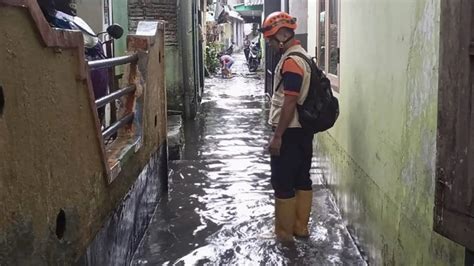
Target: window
x,y
327,39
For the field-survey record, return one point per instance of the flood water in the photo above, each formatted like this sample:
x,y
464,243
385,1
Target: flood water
x,y
219,208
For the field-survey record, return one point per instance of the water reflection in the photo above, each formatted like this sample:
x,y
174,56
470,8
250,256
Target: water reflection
x,y
220,206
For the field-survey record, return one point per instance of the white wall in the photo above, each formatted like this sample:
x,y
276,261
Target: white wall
x,y
283,5
238,33
247,28
299,9
312,26
92,11
235,36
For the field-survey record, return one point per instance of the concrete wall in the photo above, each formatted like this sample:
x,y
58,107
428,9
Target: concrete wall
x,y
121,234
166,10
92,12
54,193
299,9
313,20
226,34
183,81
237,34
284,5
174,78
45,167
187,32
381,153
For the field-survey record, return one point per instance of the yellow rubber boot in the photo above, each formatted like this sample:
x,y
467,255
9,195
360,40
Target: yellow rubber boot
x,y
285,215
304,200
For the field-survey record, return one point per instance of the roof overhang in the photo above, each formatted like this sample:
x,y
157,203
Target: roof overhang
x,y
235,15
226,14
244,7
250,13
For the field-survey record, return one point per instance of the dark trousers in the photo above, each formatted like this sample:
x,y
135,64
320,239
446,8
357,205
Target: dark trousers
x,y
290,170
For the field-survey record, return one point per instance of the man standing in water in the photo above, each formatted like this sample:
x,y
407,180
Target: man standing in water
x,y
290,146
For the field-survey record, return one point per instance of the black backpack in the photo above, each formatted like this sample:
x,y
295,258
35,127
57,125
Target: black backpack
x,y
320,109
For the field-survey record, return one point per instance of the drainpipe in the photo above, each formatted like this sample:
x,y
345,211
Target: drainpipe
x,y
185,35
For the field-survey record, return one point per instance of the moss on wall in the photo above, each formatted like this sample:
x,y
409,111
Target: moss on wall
x,y
51,158
174,78
382,151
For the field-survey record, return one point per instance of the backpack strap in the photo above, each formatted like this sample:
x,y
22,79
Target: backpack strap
x,y
312,65
303,56
281,80
279,84
307,60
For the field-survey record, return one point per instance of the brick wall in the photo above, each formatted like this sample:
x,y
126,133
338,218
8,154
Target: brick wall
x,y
155,10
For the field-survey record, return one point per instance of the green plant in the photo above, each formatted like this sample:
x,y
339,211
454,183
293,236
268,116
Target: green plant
x,y
212,57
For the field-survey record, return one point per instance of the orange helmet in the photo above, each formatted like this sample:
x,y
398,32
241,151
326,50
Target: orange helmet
x,y
275,21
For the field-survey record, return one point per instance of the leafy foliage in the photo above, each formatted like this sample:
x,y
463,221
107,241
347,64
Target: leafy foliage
x,y
212,57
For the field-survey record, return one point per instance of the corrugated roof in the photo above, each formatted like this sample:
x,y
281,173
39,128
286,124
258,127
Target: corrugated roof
x,y
253,2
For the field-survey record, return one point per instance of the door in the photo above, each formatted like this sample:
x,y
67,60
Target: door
x,y
454,200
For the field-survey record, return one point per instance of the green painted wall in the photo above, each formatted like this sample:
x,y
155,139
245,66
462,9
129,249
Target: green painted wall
x,y
120,16
381,153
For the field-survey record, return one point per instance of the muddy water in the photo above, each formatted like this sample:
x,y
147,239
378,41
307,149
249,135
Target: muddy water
x,y
219,209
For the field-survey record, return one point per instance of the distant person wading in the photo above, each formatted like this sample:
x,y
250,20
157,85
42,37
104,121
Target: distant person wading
x,y
226,63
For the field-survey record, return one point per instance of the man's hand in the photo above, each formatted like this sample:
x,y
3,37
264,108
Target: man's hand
x,y
274,146
287,113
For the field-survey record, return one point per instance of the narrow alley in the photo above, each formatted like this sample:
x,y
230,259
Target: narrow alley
x,y
121,142
219,209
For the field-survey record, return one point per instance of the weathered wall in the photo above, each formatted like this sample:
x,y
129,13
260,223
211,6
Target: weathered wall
x,y
226,34
123,231
174,78
92,12
187,42
166,10
50,148
381,153
52,154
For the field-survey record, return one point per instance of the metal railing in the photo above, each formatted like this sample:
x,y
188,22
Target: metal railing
x,y
127,119
112,62
115,94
